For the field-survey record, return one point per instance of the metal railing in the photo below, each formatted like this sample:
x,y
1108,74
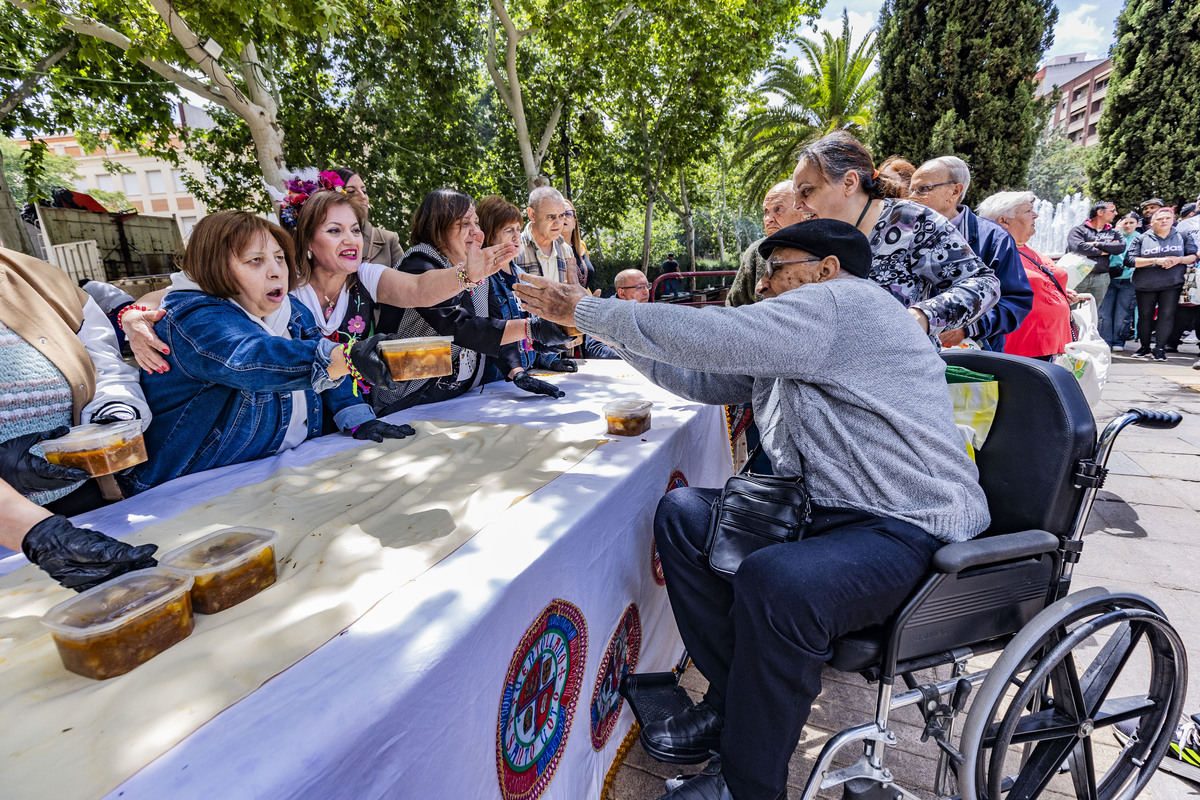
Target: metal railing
x,y
666,276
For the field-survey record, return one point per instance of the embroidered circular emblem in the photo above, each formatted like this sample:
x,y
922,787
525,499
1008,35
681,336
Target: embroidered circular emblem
x,y
541,690
619,660
676,480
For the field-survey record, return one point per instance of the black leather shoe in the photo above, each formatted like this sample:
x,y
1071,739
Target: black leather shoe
x,y
689,737
705,786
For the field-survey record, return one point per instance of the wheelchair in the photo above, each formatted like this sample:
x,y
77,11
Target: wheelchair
x,y
1069,665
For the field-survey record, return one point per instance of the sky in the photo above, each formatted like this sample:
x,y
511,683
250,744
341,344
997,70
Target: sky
x,y
1083,27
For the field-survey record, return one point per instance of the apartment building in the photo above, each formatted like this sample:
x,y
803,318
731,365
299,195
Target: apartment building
x,y
1083,83
151,185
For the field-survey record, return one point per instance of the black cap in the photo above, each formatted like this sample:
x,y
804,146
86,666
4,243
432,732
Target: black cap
x,y
824,237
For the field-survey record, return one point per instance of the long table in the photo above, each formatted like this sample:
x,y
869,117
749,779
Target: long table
x,y
493,673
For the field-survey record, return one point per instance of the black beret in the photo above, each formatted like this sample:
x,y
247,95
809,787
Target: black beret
x,y
825,237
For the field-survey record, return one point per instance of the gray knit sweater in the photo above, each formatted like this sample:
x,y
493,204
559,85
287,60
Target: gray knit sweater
x,y
838,371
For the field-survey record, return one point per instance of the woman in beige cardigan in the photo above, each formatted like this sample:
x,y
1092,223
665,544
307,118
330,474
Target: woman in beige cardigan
x,y
59,366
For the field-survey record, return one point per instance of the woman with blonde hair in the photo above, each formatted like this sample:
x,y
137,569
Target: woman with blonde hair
x,y
572,236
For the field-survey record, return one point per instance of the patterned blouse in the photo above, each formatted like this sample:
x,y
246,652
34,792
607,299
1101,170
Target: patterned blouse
x,y
925,263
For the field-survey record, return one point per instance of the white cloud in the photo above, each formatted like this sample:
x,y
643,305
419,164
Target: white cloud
x,y
1082,30
860,22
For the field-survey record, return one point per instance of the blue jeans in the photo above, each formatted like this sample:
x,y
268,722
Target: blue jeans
x,y
786,603
1116,311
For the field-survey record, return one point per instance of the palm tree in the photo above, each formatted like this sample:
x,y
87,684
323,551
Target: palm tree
x,y
826,89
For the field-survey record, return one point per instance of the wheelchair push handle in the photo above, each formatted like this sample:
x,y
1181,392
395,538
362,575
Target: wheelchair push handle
x,y
1164,420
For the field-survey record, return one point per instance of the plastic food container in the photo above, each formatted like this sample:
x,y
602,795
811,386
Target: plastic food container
x,y
112,628
628,417
414,359
98,449
227,566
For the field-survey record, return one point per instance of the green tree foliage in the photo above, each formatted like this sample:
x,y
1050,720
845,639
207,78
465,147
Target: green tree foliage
x,y
825,90
1058,167
44,73
54,170
408,123
1150,128
956,77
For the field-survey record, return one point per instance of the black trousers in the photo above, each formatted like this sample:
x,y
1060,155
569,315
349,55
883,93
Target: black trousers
x,y
1167,300
762,638
1187,318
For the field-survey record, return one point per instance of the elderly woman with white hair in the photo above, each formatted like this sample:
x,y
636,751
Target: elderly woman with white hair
x,y
1047,329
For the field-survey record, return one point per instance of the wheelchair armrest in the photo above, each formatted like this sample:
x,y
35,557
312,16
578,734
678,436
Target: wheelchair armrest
x,y
958,556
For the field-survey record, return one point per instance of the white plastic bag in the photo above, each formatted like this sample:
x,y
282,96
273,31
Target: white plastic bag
x,y
1078,267
1088,357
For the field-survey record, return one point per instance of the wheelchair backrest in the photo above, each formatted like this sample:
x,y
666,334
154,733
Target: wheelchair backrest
x,y
1043,428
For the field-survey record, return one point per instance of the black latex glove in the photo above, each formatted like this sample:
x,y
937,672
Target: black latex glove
x,y
556,363
370,364
377,430
525,381
30,474
80,559
546,332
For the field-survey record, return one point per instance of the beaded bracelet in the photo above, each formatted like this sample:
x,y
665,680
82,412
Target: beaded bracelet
x,y
466,283
527,342
355,375
121,314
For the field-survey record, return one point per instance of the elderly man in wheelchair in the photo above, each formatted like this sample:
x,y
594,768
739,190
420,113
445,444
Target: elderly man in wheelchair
x,y
891,574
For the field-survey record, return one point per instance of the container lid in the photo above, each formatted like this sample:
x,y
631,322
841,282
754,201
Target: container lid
x,y
627,407
418,342
220,550
93,437
115,603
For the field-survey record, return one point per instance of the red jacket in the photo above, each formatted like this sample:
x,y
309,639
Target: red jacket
x,y
1047,329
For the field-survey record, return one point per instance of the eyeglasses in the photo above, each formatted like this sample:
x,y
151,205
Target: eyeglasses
x,y
926,188
773,265
637,287
568,214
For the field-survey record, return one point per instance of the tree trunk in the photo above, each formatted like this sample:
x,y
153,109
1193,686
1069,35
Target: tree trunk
x,y
268,145
720,242
649,233
689,229
12,227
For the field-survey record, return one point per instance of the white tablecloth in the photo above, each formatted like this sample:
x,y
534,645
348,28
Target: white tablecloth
x,y
405,703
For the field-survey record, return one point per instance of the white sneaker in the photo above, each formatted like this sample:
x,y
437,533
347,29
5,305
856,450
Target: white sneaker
x,y
1196,364
1118,348
1191,338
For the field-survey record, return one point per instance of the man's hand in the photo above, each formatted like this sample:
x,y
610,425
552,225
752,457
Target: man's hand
x,y
549,299
147,348
921,319
952,338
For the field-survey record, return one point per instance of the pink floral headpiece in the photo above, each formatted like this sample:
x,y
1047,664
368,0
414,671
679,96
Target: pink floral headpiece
x,y
300,189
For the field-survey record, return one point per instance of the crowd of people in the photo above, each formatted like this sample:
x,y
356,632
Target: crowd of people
x,y
268,337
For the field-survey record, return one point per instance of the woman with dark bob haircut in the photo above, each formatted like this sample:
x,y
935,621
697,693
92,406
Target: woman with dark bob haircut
x,y
917,254
250,371
445,232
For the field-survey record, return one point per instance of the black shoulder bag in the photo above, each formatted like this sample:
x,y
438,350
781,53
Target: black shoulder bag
x,y
755,511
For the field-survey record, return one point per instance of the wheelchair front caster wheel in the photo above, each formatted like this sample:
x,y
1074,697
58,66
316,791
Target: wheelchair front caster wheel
x,y
1085,663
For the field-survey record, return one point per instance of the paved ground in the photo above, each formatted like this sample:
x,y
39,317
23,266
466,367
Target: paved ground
x,y
1140,537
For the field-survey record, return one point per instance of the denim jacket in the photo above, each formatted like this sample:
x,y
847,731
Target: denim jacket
x,y
227,397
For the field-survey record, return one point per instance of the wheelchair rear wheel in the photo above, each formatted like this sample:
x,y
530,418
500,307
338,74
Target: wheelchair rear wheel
x,y
1083,664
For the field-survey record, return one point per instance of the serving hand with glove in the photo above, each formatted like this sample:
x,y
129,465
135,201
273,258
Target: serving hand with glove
x,y
75,557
